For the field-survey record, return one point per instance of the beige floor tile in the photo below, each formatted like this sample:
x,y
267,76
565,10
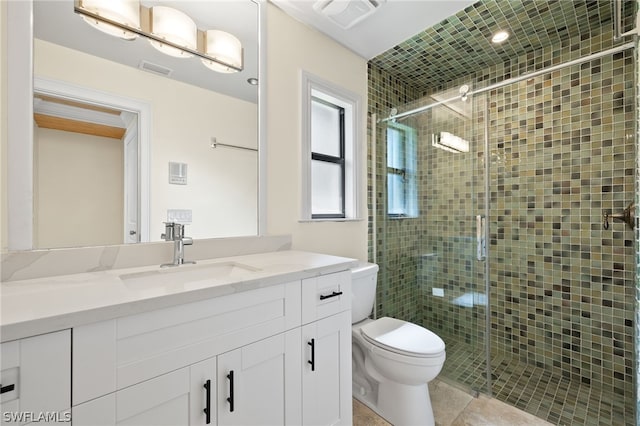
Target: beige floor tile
x,y
447,402
454,407
484,411
364,416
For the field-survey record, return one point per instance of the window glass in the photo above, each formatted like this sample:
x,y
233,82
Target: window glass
x,y
325,128
395,186
395,149
402,193
326,193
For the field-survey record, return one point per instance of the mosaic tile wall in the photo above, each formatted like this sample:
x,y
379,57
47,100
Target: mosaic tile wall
x,y
562,152
562,288
460,43
396,246
637,178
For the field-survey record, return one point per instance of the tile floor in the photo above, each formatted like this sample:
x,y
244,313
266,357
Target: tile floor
x,y
537,391
453,407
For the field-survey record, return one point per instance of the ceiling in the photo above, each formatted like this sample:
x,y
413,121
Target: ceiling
x,y
393,21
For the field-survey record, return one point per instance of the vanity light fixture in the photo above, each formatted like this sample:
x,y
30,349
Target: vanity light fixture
x,y
224,47
499,37
124,12
175,26
449,142
169,30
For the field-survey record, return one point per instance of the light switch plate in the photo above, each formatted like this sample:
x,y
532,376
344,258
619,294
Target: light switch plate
x,y
183,216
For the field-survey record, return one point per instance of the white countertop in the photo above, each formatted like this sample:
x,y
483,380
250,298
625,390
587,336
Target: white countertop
x,y
42,305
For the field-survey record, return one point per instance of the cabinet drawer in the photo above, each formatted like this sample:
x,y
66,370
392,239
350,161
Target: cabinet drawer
x,y
114,354
36,376
325,296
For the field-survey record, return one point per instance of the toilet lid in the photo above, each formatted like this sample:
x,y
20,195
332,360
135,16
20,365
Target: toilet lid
x,y
403,337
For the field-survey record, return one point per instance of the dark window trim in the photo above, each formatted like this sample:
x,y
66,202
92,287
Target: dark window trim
x,y
335,160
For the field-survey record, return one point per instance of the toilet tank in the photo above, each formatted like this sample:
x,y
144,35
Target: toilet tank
x,y
364,278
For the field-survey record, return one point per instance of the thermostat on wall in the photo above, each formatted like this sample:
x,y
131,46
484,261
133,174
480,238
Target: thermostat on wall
x,y
177,173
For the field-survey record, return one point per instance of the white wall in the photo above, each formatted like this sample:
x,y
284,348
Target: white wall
x,y
221,188
292,47
3,127
78,189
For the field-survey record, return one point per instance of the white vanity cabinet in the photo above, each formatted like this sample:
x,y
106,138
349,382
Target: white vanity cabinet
x,y
252,385
266,351
163,358
35,379
326,341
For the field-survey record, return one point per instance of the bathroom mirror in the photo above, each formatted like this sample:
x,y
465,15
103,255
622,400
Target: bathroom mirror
x,y
196,155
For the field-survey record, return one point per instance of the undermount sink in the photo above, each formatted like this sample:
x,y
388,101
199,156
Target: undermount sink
x,y
188,274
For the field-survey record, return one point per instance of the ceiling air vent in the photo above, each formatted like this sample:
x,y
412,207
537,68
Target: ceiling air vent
x,y
346,13
155,68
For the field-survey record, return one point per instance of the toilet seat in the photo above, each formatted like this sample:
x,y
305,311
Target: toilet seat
x,y
403,338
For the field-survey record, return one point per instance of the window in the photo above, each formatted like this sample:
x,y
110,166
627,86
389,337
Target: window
x,y
327,159
402,193
330,132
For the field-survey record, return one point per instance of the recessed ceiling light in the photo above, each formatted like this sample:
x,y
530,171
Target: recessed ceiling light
x,y
499,37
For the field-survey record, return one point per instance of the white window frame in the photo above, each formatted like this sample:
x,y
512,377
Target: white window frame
x,y
313,86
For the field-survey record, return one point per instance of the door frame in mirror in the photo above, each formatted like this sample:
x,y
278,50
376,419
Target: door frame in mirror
x,y
20,82
60,89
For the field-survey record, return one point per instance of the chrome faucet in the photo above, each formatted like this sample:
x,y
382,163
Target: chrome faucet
x,y
175,232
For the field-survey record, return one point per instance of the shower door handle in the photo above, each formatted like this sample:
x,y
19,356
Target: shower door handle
x,y
481,242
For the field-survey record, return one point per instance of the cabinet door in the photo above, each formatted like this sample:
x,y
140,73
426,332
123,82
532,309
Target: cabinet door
x,y
259,384
202,398
326,371
163,400
35,374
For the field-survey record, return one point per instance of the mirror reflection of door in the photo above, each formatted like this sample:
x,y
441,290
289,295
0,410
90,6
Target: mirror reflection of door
x,y
85,174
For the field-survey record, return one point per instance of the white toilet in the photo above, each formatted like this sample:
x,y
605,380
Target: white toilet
x,y
393,360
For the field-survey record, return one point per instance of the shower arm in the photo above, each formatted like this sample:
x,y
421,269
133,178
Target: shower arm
x,y
628,216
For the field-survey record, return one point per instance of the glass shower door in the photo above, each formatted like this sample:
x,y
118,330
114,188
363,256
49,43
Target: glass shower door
x,y
432,259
